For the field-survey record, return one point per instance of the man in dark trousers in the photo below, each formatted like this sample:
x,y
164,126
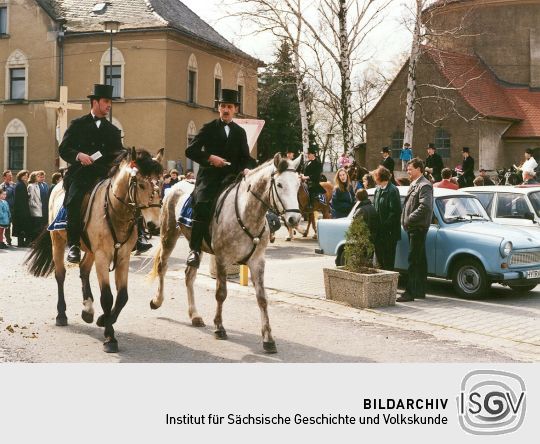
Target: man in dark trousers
x,y
467,178
90,145
434,163
388,163
221,149
416,219
312,173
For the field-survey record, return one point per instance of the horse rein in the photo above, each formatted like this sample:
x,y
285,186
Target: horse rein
x,y
273,194
134,208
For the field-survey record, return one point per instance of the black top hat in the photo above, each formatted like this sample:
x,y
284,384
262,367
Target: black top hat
x,y
385,150
465,149
312,150
102,92
229,96
432,146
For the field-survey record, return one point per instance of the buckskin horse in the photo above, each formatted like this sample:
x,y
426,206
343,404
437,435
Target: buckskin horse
x,y
109,234
239,234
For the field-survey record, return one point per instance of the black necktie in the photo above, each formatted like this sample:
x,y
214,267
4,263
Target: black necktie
x,y
96,118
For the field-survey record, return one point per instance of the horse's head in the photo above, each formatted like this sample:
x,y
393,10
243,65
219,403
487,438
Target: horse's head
x,y
144,172
286,184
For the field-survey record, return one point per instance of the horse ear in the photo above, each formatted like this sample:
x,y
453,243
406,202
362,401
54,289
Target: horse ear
x,y
277,160
133,153
159,155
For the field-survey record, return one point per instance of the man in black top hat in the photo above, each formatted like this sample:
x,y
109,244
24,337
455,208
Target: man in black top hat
x,y
221,149
388,162
312,174
90,145
434,163
467,178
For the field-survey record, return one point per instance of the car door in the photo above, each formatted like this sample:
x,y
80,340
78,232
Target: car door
x,y
512,209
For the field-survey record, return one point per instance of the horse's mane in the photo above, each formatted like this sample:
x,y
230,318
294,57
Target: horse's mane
x,y
282,166
145,163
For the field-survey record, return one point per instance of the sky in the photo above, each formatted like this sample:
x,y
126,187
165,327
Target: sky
x,y
389,41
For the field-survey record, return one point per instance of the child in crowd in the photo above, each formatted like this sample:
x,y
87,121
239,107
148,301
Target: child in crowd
x,y
5,217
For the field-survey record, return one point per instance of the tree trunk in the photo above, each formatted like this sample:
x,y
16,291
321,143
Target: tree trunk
x,y
300,92
411,77
345,72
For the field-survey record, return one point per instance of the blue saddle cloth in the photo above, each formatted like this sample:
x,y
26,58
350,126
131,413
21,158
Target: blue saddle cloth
x,y
186,213
322,198
60,221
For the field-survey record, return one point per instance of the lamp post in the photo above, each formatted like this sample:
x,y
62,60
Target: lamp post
x,y
112,27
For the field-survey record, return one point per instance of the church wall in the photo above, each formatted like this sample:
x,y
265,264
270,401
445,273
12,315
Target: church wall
x,y
491,146
500,34
514,150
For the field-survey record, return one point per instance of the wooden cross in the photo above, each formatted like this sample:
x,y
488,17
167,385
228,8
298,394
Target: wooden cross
x,y
62,108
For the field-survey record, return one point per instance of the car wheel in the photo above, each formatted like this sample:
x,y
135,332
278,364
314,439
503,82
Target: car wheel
x,y
470,279
340,258
522,288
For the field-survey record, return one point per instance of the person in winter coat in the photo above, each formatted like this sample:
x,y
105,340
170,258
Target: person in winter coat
x,y
21,210
35,205
343,196
405,155
5,217
388,205
367,211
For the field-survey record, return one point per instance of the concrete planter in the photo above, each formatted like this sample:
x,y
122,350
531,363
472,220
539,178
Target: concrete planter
x,y
232,270
361,290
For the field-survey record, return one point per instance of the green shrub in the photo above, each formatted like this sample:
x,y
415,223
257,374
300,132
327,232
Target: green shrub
x,y
358,248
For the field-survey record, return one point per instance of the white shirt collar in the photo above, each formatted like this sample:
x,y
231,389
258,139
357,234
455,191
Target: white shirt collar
x,y
414,182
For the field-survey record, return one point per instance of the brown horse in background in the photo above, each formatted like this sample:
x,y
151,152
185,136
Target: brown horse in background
x,y
309,213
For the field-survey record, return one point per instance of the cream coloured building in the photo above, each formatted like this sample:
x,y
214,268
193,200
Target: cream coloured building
x,y
168,67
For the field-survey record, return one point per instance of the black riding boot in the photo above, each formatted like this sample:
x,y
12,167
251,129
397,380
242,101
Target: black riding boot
x,y
195,243
142,244
73,229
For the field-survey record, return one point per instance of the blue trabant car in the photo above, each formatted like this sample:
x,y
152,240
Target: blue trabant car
x,y
462,244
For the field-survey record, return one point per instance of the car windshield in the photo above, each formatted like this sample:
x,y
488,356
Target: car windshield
x,y
461,209
535,201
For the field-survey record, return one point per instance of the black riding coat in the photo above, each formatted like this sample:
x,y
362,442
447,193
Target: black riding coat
x,y
83,136
468,170
313,170
435,161
212,140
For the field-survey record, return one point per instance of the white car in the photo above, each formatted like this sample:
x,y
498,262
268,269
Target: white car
x,y
518,205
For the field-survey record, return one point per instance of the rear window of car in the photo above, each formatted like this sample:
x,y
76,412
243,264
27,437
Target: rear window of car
x,y
512,205
486,199
535,201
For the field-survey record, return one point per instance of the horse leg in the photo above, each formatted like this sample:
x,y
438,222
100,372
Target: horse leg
x,y
221,295
121,281
85,267
161,264
58,246
313,219
256,269
191,274
309,218
110,345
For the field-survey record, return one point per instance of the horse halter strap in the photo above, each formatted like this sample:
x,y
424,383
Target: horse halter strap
x,y
273,194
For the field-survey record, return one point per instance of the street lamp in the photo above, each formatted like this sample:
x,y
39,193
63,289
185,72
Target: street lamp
x,y
112,27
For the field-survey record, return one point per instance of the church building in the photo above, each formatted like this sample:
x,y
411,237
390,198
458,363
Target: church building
x,y
478,81
168,67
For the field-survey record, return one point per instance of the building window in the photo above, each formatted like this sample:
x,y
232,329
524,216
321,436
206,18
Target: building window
x,y
17,83
241,99
397,144
191,133
15,153
217,91
118,71
192,86
442,143
3,20
116,79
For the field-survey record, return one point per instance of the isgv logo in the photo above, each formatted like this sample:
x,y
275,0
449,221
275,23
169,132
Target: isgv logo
x,y
491,402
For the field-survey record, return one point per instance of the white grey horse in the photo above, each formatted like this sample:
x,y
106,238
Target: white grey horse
x,y
240,234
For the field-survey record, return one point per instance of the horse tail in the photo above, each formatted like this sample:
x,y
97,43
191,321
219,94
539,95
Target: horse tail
x,y
40,259
155,268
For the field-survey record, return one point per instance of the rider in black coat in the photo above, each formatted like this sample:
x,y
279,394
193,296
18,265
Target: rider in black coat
x,y
388,162
312,174
221,149
434,163
86,136
468,169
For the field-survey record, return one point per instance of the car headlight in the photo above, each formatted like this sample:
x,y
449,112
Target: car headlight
x,y
506,249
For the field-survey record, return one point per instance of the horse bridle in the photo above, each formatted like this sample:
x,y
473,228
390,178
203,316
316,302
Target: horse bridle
x,y
134,208
273,194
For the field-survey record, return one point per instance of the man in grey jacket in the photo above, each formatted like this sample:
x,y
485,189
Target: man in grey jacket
x,y
416,218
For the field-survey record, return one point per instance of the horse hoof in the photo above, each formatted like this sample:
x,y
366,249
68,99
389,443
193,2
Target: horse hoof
x,y
270,347
314,237
110,346
304,235
288,239
87,317
153,306
220,334
198,322
100,322
61,321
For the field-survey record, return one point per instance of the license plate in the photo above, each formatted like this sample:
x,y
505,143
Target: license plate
x,y
533,274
